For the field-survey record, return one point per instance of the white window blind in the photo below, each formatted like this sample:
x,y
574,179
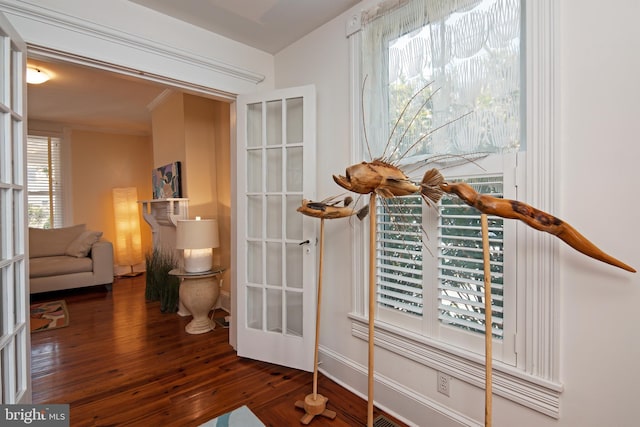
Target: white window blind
x,y
44,182
399,254
460,262
460,276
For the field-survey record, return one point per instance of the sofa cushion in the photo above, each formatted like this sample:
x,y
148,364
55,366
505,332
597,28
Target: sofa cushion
x,y
58,265
81,246
53,241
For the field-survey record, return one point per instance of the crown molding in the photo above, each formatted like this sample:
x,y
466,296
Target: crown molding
x,y
39,13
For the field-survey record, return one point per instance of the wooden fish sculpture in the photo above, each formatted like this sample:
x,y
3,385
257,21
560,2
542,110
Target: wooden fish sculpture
x,y
387,180
330,208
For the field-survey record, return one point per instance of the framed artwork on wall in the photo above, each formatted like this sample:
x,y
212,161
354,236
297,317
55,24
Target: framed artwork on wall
x,y
166,181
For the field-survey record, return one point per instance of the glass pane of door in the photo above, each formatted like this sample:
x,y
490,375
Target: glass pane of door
x,y
276,267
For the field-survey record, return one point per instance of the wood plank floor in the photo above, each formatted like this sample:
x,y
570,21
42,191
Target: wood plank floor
x,y
123,362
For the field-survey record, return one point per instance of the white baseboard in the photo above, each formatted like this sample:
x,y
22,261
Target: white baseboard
x,y
224,301
392,397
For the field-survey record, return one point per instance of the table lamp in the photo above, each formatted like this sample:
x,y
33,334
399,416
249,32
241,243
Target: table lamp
x,y
197,237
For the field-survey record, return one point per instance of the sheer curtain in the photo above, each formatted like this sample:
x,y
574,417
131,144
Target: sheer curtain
x,y
462,58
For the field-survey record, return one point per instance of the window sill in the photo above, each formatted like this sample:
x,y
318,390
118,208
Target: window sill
x,y
508,382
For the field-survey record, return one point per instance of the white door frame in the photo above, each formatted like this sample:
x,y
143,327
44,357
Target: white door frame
x,y
15,336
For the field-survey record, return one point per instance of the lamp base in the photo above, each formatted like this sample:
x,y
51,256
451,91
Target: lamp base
x,y
197,260
199,295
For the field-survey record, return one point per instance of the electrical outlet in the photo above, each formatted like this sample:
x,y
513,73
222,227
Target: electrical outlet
x,y
443,383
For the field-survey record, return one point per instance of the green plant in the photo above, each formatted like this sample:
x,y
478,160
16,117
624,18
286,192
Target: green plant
x,y
160,286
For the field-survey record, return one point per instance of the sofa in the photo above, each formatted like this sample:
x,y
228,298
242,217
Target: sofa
x,y
67,258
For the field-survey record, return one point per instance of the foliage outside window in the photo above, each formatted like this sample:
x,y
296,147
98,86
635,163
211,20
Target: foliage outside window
x,y
44,175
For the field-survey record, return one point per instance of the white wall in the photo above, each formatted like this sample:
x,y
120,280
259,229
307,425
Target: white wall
x,y
130,36
599,87
600,346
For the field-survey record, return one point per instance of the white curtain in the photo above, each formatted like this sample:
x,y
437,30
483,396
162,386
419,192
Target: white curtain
x,y
462,57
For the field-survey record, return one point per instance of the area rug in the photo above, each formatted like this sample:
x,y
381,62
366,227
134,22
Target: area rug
x,y
239,417
46,316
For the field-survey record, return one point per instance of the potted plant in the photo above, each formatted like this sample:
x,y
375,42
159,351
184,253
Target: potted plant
x,y
160,286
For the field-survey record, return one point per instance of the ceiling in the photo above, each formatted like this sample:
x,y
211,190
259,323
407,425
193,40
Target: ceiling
x,y
85,97
81,96
268,25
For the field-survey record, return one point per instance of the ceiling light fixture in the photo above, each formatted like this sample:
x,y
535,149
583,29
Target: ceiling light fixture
x,y
36,76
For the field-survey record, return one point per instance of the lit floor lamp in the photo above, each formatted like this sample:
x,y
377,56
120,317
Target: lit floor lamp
x,y
199,290
128,244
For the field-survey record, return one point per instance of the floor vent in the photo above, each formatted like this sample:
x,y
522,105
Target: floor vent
x,y
383,421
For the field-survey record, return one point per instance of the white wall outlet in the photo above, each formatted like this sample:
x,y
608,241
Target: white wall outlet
x,y
444,381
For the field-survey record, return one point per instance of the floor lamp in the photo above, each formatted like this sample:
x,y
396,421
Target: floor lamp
x,y
128,243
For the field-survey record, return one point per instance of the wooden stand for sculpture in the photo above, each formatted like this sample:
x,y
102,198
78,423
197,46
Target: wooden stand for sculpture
x,y
372,302
488,334
314,403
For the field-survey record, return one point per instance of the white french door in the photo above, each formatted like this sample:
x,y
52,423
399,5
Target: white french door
x,y
15,344
276,251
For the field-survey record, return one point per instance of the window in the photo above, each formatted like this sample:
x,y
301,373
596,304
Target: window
x,y
449,86
461,56
44,169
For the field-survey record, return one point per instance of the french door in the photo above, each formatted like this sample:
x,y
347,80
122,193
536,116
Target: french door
x,y
276,252
15,344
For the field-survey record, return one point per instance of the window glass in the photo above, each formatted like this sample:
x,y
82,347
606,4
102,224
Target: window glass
x,y
450,90
44,177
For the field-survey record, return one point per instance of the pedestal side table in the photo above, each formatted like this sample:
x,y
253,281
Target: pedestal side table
x,y
198,294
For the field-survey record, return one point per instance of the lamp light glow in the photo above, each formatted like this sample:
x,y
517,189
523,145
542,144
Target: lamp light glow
x,y
197,238
128,242
36,76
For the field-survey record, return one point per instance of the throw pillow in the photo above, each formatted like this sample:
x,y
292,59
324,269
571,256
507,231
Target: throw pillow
x,y
52,241
81,246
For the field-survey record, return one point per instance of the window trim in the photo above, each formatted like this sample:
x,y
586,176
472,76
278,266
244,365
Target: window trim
x,y
535,381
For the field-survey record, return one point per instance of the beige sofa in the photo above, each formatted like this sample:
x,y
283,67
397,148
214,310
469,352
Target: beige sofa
x,y
69,257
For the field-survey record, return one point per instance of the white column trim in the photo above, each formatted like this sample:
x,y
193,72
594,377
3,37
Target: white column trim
x,y
539,272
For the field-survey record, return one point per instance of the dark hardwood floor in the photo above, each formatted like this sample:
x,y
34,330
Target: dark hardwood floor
x,y
123,362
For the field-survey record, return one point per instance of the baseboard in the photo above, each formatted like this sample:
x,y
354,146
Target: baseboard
x,y
408,406
224,301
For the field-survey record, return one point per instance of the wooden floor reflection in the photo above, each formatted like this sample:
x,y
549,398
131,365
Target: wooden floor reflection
x,y
123,362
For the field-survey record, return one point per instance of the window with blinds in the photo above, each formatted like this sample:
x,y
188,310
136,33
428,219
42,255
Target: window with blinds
x,y
460,276
467,58
443,83
460,262
399,251
44,182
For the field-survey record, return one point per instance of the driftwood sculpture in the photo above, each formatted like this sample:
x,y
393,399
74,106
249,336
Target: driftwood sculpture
x,y
387,180
381,177
331,208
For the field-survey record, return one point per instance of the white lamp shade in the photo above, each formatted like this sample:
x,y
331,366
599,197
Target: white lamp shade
x,y
197,237
197,234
